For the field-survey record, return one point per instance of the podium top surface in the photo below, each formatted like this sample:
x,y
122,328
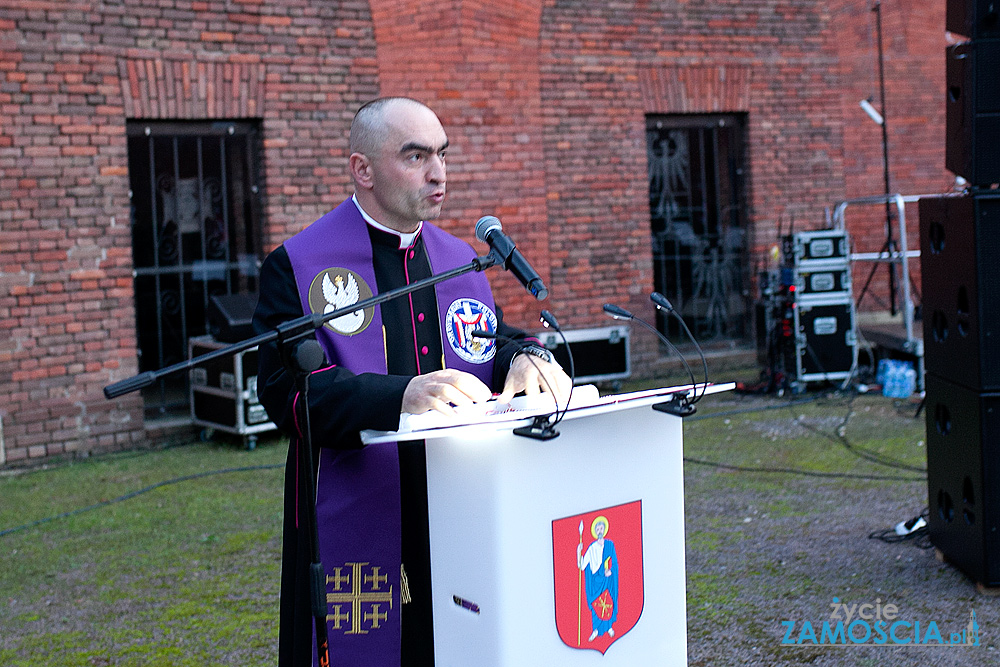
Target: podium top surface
x,y
484,417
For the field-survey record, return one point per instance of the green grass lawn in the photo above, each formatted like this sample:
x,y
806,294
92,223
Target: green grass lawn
x,y
187,573
184,574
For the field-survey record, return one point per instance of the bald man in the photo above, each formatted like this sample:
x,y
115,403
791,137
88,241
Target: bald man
x,y
411,354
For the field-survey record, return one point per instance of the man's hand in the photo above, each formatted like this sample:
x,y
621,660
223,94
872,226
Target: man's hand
x,y
443,391
533,375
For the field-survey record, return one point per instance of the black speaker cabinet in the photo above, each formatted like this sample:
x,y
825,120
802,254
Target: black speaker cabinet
x,y
224,392
972,111
815,279
959,251
973,18
229,316
825,342
599,354
824,245
963,477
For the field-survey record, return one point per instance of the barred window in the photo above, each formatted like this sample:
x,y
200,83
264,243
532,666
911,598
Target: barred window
x,y
196,233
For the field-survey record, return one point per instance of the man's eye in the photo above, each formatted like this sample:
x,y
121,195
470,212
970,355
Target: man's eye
x,y
443,155
415,157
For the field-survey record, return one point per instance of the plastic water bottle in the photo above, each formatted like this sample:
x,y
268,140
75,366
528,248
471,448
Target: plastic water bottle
x,y
882,371
890,384
909,380
900,379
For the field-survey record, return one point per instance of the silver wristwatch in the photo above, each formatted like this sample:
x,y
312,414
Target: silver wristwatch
x,y
540,352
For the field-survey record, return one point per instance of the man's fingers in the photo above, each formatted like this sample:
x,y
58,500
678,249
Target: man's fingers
x,y
462,393
441,406
441,390
469,385
533,376
446,389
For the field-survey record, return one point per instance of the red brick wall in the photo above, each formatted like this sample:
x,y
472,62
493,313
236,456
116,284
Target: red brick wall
x,y
544,101
70,76
476,64
797,70
605,66
65,246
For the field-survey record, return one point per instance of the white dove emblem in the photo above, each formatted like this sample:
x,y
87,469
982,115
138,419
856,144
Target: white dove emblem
x,y
338,295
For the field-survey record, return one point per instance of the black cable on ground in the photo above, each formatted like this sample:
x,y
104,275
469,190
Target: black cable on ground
x,y
743,411
868,455
133,494
842,440
920,537
802,471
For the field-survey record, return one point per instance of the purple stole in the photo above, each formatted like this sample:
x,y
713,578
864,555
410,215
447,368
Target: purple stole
x,y
357,490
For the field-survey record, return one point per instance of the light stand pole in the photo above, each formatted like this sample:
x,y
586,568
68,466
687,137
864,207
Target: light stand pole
x,y
890,242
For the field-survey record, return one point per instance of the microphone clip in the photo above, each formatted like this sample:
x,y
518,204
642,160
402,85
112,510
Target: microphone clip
x,y
484,262
539,429
678,405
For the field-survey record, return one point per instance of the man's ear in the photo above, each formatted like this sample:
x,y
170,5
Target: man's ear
x,y
361,170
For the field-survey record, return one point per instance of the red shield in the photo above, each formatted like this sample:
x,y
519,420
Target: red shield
x,y
604,606
598,575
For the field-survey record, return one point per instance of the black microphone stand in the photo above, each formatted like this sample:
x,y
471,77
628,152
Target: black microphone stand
x,y
542,427
662,303
301,354
293,330
679,404
549,321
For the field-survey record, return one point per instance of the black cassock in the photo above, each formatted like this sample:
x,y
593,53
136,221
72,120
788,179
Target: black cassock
x,y
344,404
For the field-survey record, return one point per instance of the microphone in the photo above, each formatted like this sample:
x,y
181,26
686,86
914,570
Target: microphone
x,y
617,313
663,304
490,231
542,426
678,405
549,321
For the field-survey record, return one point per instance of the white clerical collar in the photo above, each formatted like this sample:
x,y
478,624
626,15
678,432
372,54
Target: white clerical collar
x,y
405,240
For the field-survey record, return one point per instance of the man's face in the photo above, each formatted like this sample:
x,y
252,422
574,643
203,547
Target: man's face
x,y
599,530
408,169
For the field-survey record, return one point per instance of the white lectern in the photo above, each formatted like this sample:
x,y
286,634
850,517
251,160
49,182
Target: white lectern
x,y
509,516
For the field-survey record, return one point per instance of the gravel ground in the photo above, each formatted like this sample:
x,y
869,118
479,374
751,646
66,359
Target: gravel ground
x,y
768,551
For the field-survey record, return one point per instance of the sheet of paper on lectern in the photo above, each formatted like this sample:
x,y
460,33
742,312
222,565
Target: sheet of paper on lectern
x,y
493,416
491,411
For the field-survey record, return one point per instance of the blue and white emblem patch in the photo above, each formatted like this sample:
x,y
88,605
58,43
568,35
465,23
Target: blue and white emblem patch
x,y
465,316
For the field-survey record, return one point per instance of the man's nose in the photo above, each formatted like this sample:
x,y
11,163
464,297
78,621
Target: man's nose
x,y
436,172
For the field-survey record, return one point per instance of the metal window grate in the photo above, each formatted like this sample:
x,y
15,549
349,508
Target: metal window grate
x,y
196,233
698,215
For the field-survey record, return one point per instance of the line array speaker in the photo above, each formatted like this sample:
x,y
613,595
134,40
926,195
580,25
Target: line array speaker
x,y
959,244
972,111
963,477
973,18
959,247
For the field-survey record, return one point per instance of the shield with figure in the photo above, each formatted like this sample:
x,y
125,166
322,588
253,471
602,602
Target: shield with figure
x,y
597,569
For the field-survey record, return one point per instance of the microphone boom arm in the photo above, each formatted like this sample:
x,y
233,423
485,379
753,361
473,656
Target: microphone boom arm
x,y
292,330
